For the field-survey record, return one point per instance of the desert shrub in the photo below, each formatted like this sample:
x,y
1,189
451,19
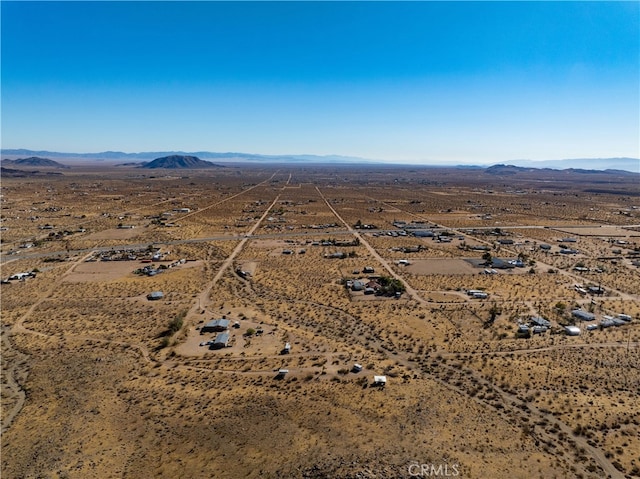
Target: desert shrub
x,y
176,323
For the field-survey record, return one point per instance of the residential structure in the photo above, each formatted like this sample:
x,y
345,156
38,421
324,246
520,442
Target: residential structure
x,y
583,315
215,325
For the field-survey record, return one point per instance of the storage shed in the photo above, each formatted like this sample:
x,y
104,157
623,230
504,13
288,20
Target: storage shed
x,y
380,381
572,330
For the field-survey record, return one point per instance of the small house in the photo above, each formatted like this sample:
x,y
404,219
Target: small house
x,y
368,270
583,315
538,321
216,325
501,264
607,322
539,329
356,368
286,349
373,285
523,331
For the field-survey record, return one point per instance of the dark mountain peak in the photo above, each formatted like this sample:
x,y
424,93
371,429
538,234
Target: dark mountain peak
x,y
179,162
34,161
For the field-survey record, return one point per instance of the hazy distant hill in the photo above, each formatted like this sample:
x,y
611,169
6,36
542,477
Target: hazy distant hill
x,y
34,161
510,170
505,170
626,164
179,162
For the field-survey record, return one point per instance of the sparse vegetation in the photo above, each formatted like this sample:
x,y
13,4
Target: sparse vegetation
x,y
143,376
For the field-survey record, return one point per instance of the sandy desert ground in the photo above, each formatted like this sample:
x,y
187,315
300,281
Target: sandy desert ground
x,y
99,381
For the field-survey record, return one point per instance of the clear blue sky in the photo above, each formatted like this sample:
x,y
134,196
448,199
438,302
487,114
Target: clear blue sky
x,y
435,81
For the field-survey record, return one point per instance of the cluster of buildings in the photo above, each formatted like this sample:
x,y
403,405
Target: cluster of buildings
x,y
152,270
220,326
535,325
606,322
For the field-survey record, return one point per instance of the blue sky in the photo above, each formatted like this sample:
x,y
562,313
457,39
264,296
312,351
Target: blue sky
x,y
474,82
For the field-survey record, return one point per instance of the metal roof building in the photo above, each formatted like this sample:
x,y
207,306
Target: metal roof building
x,y
583,315
216,325
538,321
221,341
572,330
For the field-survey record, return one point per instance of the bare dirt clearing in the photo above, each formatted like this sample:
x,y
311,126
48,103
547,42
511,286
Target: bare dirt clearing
x,y
441,266
114,234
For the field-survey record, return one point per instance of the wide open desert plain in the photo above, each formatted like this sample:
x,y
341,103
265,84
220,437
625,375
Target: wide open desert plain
x,y
282,291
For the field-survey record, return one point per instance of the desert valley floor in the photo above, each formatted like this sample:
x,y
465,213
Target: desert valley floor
x,y
501,307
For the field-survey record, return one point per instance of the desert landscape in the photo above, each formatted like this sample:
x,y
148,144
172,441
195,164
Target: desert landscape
x,y
312,321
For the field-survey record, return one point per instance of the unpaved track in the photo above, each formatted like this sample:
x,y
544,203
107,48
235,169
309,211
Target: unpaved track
x,y
203,297
212,205
13,388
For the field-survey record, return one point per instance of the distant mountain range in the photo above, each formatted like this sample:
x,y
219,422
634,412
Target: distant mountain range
x,y
509,170
228,156
624,164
